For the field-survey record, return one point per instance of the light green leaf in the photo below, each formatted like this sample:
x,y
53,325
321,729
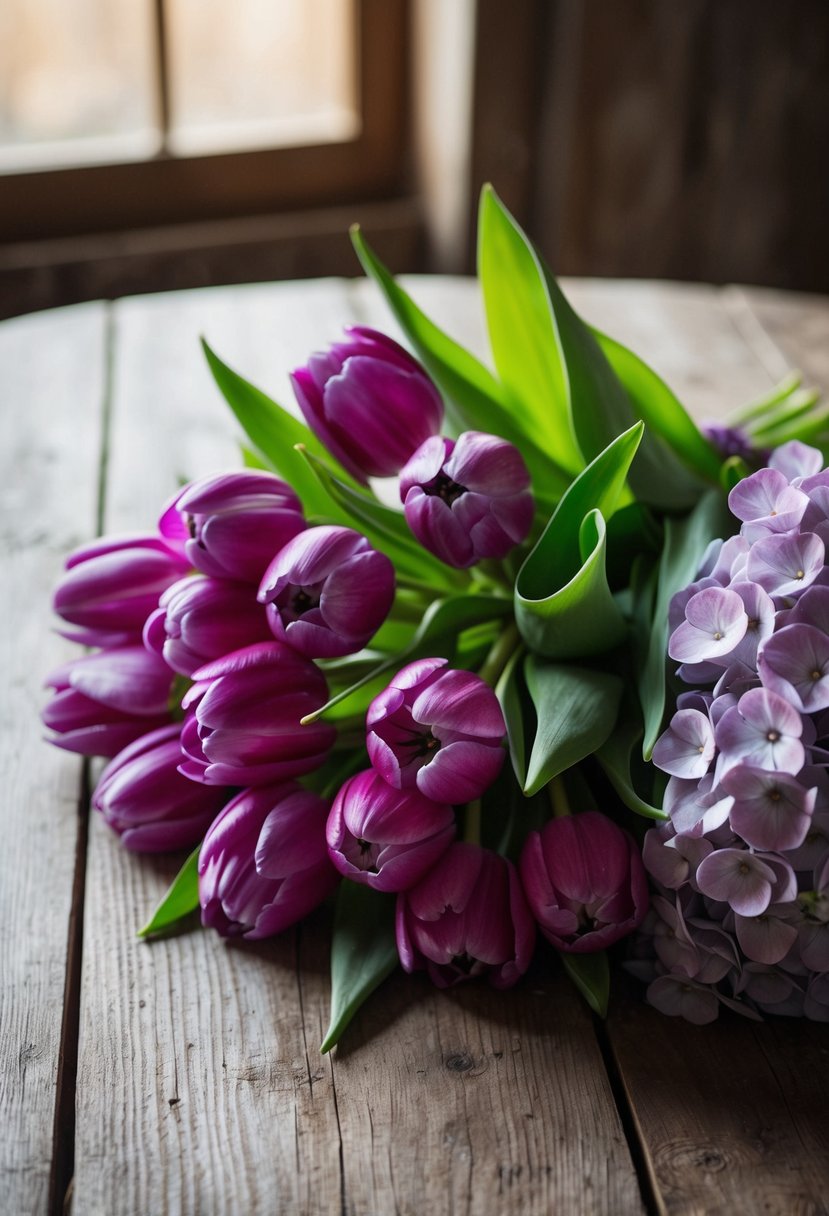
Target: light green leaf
x,y
591,975
181,899
576,710
474,398
363,952
616,757
685,542
510,695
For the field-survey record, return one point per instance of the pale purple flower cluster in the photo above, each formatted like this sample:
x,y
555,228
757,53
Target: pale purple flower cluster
x,y
741,867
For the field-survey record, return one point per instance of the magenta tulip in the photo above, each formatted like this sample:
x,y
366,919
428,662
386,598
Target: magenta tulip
x,y
584,881
264,865
244,728
438,730
467,499
383,837
146,800
468,917
231,525
201,618
328,592
369,402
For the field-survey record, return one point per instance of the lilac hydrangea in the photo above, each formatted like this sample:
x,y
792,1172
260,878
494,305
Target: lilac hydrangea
x,y
740,915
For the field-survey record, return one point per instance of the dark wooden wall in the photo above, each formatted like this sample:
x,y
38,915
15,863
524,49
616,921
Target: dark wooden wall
x,y
684,139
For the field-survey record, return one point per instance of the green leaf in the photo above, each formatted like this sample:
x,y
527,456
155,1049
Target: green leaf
x,y
510,695
576,710
591,975
685,542
563,605
616,756
363,952
181,899
474,398
523,333
385,528
659,408
274,434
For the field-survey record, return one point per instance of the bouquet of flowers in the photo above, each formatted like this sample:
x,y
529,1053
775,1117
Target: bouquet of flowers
x,y
415,656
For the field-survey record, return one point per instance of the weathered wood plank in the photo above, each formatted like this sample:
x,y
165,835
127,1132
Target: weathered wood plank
x,y
200,1088
784,330
51,385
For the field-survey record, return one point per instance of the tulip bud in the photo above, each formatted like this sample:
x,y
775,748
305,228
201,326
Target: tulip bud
x,y
244,728
112,585
264,865
231,525
146,800
369,402
584,881
105,701
329,591
438,730
469,499
199,619
383,837
468,917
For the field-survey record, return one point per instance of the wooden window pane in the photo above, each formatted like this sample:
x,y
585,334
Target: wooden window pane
x,y
76,82
260,73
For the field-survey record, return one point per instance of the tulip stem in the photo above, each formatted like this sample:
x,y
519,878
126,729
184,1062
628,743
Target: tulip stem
x,y
472,823
558,798
499,655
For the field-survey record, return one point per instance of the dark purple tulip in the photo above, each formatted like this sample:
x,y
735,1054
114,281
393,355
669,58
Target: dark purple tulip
x,y
105,701
231,525
201,618
469,499
145,799
244,728
264,864
584,881
467,918
383,837
112,585
369,402
437,729
328,592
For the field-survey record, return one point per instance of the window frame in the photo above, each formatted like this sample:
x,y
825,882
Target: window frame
x,y
75,201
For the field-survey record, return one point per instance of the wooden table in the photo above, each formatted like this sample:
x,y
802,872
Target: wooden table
x,y
184,1076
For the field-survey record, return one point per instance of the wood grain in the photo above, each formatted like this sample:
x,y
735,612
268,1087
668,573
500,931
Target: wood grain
x,y
51,385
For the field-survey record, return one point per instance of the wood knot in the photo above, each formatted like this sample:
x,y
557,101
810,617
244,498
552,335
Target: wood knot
x,y
459,1061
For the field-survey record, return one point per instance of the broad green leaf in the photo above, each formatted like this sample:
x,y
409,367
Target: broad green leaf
x,y
732,471
575,711
522,331
274,433
563,604
474,398
617,755
591,975
385,528
181,899
363,952
443,619
659,408
510,695
685,542
252,459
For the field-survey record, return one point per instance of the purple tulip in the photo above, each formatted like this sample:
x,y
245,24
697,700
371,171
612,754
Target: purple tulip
x,y
369,402
383,837
328,592
145,799
105,701
231,525
264,865
202,618
112,585
244,728
467,499
584,881
438,730
468,917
